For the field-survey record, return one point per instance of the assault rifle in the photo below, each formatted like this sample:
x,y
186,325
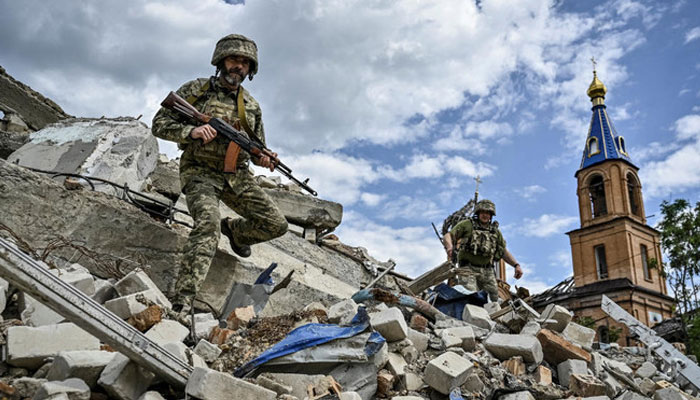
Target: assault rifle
x,y
252,145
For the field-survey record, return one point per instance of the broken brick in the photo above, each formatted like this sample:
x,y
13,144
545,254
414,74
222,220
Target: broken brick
x,y
556,349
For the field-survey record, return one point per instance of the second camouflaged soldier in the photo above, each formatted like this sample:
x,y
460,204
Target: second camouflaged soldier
x,y
479,243
202,176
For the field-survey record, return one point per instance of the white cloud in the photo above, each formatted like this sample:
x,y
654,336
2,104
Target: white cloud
x,y
535,284
372,199
415,249
688,127
529,192
561,259
692,34
408,207
546,225
426,166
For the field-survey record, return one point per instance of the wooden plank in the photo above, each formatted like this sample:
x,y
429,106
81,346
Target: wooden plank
x,y
432,277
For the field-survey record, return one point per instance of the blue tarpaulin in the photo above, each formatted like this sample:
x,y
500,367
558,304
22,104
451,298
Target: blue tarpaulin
x,y
311,335
452,301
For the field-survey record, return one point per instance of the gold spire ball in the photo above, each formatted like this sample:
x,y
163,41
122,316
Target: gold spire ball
x,y
596,91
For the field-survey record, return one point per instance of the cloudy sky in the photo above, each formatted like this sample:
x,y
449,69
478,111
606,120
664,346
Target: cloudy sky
x,y
393,107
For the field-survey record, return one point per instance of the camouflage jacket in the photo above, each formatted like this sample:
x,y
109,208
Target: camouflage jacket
x,y
206,161
478,244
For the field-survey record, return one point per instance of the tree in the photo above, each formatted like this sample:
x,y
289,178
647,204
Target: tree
x,y
680,239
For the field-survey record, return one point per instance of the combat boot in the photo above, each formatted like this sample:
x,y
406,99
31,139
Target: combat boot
x,y
241,250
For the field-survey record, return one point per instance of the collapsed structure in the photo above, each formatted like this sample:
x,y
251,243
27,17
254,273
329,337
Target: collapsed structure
x,y
92,225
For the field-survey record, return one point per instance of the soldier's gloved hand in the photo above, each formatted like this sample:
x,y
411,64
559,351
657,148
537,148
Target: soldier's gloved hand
x,y
204,132
266,162
518,272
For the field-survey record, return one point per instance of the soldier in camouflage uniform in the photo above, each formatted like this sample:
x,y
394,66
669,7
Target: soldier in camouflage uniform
x,y
479,243
202,176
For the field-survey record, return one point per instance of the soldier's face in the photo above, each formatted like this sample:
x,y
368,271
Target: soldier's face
x,y
236,68
484,217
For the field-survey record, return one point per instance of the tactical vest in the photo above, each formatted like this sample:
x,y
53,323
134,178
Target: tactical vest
x,y
483,242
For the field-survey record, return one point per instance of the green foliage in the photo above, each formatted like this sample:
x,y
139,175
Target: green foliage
x,y
586,321
614,333
693,341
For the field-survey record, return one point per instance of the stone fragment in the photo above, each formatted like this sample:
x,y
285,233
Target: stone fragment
x,y
220,335
447,371
316,305
418,322
463,336
390,324
167,331
35,313
531,328
151,395
208,351
342,312
240,317
385,382
179,350
477,316
646,370
598,360
559,314
630,395
406,398
307,211
647,386
567,368
412,382
208,384
492,307
612,386
523,395
586,385
124,379
269,383
104,291
298,382
396,364
381,357
144,320
126,306
350,396
85,365
26,386
557,349
515,365
473,383
419,340
80,278
580,335
203,325
504,346
543,375
73,388
28,347
669,393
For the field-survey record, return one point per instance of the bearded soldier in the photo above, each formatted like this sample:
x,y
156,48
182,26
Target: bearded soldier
x,y
479,243
203,177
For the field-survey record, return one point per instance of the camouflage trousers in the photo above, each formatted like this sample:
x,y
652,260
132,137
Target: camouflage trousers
x,y
478,278
261,221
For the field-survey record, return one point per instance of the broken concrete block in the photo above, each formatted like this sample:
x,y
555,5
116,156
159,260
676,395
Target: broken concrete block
x,y
504,346
419,340
307,211
477,316
298,382
647,386
580,335
557,349
73,388
179,350
26,386
515,365
531,328
124,379
462,336
81,278
350,396
447,371
396,364
598,360
28,347
316,305
381,357
208,384
104,291
523,395
669,393
126,306
586,385
473,383
412,382
559,314
406,398
208,351
567,368
85,365
390,324
646,370
269,383
134,282
204,323
492,307
342,312
630,395
220,335
35,313
167,331
240,317
612,386
543,375
151,395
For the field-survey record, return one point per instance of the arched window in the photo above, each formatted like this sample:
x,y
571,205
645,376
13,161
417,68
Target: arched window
x,y
634,193
621,145
596,191
603,334
593,147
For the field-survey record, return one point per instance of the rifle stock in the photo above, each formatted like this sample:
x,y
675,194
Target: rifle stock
x,y
254,147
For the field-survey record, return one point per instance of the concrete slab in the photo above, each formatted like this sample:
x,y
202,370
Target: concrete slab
x,y
208,384
28,347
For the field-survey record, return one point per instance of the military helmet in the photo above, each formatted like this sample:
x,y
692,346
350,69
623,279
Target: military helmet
x,y
485,205
236,45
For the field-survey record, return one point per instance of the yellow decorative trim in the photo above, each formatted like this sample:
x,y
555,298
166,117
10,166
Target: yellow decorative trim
x,y
588,146
620,147
602,134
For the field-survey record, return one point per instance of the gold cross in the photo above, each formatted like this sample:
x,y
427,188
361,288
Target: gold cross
x,y
594,63
478,181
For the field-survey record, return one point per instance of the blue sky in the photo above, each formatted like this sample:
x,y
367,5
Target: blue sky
x,y
393,107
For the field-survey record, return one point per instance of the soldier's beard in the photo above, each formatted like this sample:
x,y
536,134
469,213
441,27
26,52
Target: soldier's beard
x,y
234,77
